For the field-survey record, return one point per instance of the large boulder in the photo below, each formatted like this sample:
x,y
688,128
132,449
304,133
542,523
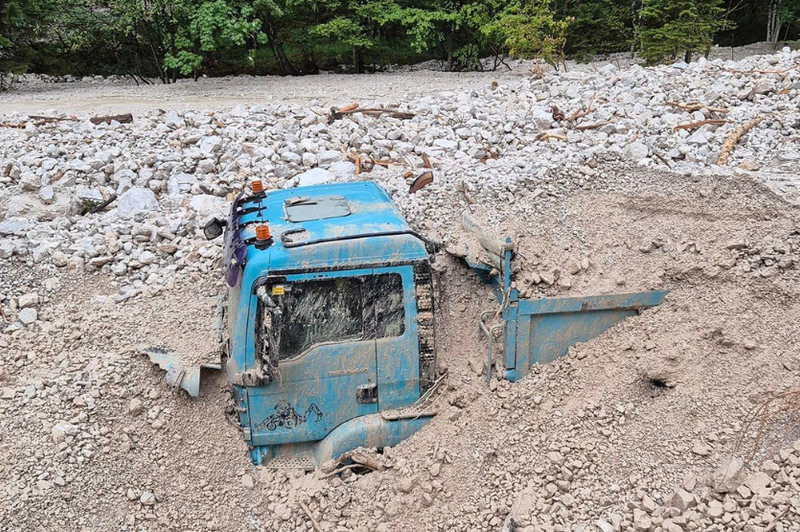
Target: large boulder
x,y
136,200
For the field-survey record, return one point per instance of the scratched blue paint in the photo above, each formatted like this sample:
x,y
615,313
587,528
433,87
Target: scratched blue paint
x,y
544,329
538,331
310,408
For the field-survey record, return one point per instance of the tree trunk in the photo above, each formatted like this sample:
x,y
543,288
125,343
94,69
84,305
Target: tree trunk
x,y
358,60
773,21
687,57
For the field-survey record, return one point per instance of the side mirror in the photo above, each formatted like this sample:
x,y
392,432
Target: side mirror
x,y
213,228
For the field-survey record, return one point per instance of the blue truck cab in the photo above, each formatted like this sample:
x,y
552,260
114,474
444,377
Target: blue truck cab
x,y
330,321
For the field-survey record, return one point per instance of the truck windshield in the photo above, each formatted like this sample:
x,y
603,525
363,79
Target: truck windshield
x,y
342,309
316,312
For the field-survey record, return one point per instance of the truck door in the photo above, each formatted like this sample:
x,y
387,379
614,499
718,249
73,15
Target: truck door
x,y
397,348
326,372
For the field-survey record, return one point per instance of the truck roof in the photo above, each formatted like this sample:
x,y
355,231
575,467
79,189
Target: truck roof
x,y
330,226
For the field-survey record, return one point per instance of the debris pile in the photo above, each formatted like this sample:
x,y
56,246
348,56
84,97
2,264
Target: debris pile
x,y
606,179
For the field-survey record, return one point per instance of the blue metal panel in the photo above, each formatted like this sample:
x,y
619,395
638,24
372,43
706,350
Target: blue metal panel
x,y
315,392
367,431
545,328
375,231
398,358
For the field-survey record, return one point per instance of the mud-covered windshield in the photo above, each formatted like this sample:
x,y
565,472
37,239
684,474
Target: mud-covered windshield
x,y
342,309
317,312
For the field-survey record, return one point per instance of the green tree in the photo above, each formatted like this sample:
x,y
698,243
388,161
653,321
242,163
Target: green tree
x,y
533,31
22,22
671,28
600,27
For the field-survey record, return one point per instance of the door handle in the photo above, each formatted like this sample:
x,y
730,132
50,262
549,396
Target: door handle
x,y
367,393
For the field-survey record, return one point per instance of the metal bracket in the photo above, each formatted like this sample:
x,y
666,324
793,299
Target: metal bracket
x,y
489,332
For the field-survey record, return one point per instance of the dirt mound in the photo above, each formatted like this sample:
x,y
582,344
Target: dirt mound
x,y
93,439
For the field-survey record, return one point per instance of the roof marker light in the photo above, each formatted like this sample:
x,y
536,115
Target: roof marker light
x,y
257,186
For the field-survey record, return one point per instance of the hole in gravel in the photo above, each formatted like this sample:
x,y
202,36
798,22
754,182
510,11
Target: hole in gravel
x,y
658,384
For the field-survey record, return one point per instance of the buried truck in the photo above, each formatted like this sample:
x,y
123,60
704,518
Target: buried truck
x,y
327,327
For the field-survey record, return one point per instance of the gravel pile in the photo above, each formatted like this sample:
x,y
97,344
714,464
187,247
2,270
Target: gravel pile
x,y
584,169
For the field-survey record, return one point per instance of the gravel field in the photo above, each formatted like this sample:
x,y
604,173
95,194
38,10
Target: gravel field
x,y
610,177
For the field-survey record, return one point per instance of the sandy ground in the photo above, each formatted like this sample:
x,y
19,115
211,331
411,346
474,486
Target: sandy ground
x,y
325,89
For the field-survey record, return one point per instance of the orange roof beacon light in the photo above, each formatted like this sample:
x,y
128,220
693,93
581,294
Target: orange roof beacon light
x,y
263,238
262,232
257,186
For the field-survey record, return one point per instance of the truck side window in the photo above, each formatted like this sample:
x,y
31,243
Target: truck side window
x,y
389,305
318,312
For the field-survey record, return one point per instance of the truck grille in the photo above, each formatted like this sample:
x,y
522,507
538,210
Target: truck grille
x,y
423,291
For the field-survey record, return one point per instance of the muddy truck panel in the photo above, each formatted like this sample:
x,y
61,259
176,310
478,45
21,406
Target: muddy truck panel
x,y
324,284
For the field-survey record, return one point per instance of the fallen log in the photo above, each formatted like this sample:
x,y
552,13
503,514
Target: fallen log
x,y
126,118
16,126
733,139
700,123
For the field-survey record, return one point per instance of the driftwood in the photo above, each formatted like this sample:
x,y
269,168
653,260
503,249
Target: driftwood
x,y
126,118
546,135
697,106
365,163
735,136
700,123
42,120
426,163
584,127
353,108
423,180
580,113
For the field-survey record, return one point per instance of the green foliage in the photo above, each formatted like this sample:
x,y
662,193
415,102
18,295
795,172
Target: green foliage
x,y
674,28
600,27
169,39
532,31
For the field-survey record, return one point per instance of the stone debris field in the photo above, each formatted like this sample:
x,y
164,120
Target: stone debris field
x,y
610,178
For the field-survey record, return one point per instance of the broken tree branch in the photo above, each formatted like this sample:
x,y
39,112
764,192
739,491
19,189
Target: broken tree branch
x,y
423,180
310,516
696,106
50,119
764,72
580,113
700,123
353,108
734,138
103,205
546,135
16,126
584,127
